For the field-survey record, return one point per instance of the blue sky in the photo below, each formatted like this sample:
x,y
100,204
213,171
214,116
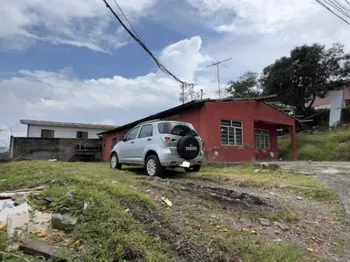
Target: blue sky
x,y
66,60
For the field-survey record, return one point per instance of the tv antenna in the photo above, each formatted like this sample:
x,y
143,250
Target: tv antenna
x,y
217,64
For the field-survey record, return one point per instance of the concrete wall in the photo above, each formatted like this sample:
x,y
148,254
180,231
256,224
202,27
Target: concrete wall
x,y
62,132
63,149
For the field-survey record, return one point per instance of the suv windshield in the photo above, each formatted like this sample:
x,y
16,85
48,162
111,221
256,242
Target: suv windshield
x,y
178,129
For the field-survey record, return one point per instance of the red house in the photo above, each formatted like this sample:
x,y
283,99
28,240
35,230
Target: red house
x,y
233,130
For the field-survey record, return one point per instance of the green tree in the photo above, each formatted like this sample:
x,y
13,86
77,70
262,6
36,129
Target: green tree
x,y
309,72
246,86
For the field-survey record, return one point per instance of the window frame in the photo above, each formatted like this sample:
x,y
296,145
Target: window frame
x,y
83,132
114,141
52,132
142,128
138,131
264,133
231,128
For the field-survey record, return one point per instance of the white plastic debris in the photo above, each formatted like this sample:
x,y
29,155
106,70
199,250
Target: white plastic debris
x,y
9,208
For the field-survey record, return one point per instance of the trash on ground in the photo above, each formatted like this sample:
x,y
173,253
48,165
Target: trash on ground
x,y
167,201
9,208
264,222
283,227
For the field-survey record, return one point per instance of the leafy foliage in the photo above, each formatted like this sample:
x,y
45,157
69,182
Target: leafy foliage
x,y
309,72
246,86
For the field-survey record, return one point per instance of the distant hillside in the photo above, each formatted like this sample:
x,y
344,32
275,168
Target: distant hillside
x,y
327,146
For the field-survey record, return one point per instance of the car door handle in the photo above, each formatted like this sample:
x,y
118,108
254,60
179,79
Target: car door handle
x,y
132,142
149,139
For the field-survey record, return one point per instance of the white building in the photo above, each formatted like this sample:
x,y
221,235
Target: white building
x,y
50,129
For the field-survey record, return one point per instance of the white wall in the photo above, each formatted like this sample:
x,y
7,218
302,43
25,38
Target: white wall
x,y
62,132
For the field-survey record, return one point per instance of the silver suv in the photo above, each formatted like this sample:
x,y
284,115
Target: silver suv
x,y
157,145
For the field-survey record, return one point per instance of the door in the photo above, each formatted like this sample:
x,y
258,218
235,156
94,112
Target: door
x,y
143,141
127,147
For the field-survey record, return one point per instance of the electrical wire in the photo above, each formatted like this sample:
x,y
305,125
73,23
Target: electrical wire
x,y
338,7
127,20
330,10
140,42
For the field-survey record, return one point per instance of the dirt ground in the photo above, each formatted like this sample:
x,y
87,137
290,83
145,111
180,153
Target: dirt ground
x,y
199,205
335,174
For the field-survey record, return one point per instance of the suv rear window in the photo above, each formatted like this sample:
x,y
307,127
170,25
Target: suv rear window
x,y
178,129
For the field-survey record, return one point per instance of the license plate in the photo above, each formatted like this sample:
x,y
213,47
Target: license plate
x,y
185,164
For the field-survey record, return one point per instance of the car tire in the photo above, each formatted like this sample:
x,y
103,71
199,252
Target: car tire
x,y
114,161
195,168
153,166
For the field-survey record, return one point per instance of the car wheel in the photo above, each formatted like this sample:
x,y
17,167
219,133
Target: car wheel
x,y
115,162
195,168
153,166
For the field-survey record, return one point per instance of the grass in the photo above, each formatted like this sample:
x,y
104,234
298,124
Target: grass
x,y
245,176
106,230
327,146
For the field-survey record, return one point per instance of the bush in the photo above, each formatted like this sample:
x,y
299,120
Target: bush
x,y
328,146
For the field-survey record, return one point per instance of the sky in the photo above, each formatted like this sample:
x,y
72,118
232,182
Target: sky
x,y
64,60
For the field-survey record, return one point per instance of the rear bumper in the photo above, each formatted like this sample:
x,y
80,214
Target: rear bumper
x,y
167,159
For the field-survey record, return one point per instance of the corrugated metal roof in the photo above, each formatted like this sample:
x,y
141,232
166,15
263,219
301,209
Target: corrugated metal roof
x,y
66,124
187,106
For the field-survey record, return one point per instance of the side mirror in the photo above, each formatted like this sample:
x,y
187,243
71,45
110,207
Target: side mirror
x,y
122,138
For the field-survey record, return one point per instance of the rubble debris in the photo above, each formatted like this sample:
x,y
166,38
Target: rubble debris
x,y
167,201
35,247
40,222
63,222
283,227
267,165
316,239
257,171
52,160
50,199
311,250
85,205
299,198
264,222
17,223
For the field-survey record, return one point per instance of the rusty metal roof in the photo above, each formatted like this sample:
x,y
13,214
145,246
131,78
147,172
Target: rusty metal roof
x,y
66,124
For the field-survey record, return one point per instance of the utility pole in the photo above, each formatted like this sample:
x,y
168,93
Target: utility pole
x,y
217,64
184,94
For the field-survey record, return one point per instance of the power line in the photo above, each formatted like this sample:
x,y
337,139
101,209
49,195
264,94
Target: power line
x,y
140,42
338,7
330,10
218,72
127,20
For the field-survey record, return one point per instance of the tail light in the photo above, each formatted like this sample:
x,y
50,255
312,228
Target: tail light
x,y
166,140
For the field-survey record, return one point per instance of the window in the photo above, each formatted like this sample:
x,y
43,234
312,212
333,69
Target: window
x,y
132,134
114,141
46,133
262,139
231,133
146,131
176,128
81,134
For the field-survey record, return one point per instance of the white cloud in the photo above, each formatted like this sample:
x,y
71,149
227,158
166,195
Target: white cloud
x,y
79,23
175,57
61,96
257,17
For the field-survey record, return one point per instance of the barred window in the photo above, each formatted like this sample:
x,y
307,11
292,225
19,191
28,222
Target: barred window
x,y
231,133
262,139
